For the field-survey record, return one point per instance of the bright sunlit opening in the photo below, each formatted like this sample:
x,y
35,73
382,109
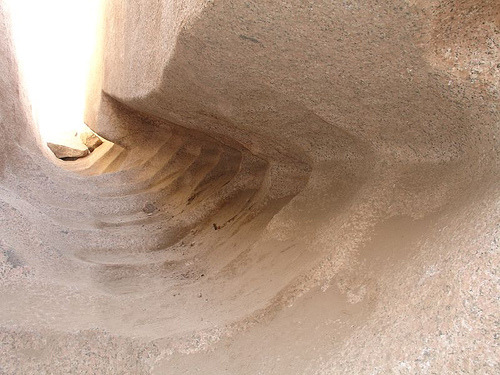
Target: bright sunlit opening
x,y
54,41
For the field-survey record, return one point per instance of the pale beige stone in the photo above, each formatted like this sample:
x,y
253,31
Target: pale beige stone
x,y
347,152
64,152
91,140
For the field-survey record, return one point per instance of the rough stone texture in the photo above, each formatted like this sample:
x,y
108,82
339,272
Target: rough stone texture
x,y
347,153
90,140
64,152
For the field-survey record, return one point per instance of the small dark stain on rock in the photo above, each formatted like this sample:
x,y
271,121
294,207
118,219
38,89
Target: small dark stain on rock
x,y
250,39
12,258
149,208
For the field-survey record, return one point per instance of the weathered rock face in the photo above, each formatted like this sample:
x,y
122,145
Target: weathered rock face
x,y
346,154
91,140
66,152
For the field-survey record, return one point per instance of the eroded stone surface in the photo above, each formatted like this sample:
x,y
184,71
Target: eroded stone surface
x,y
91,140
65,152
347,154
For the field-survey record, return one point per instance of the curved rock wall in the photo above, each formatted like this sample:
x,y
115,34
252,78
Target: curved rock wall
x,y
288,187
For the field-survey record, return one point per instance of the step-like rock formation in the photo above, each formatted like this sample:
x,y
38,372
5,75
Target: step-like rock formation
x,y
286,188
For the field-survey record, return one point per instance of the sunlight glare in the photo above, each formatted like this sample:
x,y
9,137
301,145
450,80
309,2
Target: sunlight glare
x,y
54,41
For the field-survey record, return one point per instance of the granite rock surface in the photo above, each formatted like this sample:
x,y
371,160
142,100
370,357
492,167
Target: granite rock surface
x,y
346,152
